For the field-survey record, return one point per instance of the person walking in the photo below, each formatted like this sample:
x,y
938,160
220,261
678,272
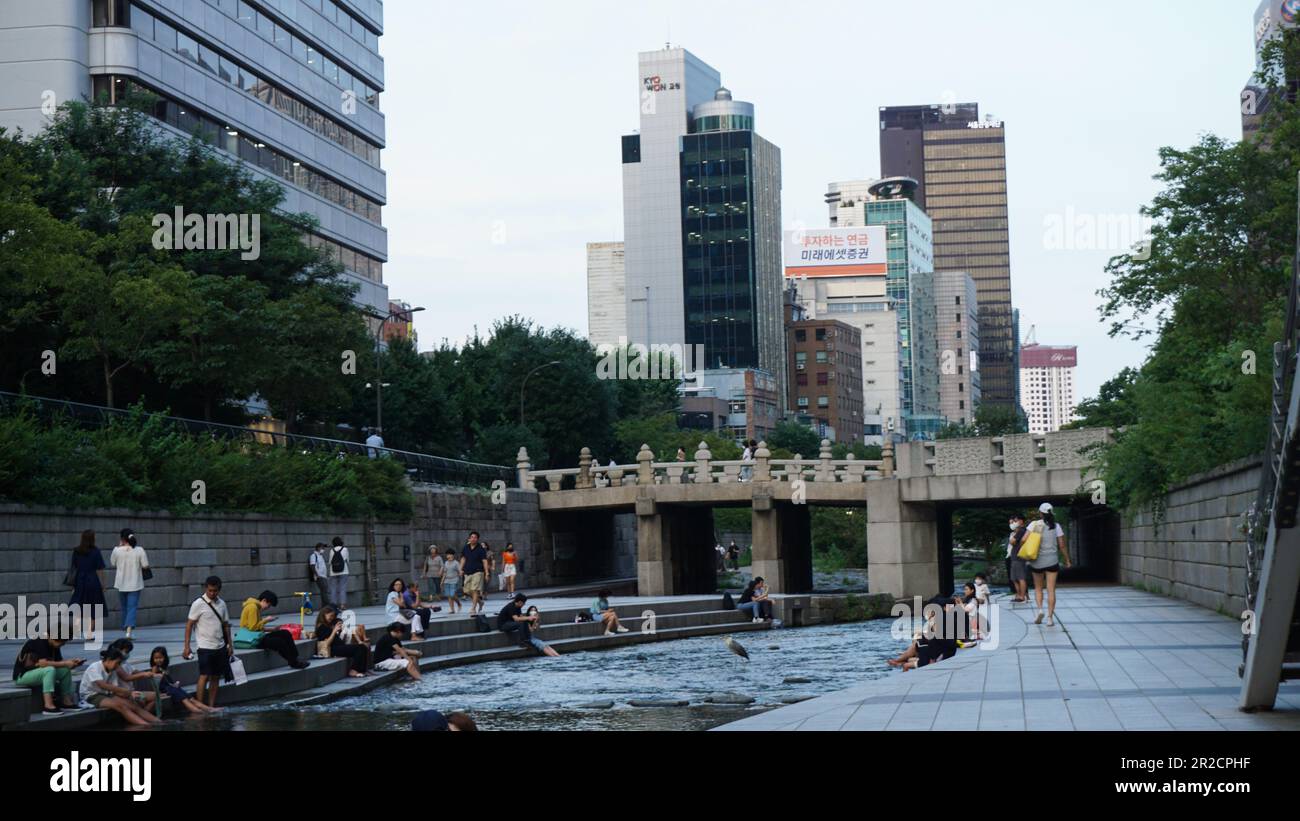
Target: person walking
x,y
508,562
321,573
747,472
1051,554
132,568
489,566
433,573
451,582
733,552
87,580
337,562
1017,568
473,562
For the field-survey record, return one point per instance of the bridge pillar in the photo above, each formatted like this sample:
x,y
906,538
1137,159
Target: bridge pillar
x,y
902,543
782,545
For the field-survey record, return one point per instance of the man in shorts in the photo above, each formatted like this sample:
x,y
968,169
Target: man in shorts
x,y
474,565
210,621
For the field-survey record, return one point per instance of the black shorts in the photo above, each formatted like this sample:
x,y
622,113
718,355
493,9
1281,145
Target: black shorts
x,y
1056,568
215,663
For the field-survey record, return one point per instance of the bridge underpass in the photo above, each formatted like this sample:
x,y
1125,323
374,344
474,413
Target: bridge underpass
x,y
908,496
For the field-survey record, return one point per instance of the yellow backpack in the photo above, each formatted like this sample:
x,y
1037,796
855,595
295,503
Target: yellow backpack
x,y
1029,547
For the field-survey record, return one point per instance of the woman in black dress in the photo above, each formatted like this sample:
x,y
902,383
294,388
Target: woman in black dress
x,y
87,587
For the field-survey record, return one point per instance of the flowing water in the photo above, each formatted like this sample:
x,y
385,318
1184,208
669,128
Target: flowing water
x,y
559,694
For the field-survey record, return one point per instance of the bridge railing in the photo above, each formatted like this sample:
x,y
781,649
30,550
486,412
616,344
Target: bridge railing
x,y
1015,453
703,470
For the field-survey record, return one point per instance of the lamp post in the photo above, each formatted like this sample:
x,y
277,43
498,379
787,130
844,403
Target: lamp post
x,y
525,384
379,368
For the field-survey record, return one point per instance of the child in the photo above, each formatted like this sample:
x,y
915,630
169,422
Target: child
x,y
391,655
451,581
983,596
102,689
126,673
159,662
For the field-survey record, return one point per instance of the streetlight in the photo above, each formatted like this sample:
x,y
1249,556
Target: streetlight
x,y
379,368
525,384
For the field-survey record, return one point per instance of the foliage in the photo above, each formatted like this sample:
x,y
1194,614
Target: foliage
x,y
990,420
795,438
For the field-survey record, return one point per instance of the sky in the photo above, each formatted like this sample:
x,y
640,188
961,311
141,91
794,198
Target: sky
x,y
504,119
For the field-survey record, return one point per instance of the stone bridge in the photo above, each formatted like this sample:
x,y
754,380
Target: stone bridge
x,y
908,497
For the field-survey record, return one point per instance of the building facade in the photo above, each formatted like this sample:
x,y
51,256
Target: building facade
x,y
289,87
702,221
960,162
826,377
1047,385
400,323
606,293
753,402
1271,18
957,306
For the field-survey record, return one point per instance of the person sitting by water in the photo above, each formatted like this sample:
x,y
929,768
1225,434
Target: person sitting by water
x,y
411,600
102,689
128,675
40,665
160,664
330,642
391,655
601,610
512,621
273,641
933,643
536,616
754,600
397,613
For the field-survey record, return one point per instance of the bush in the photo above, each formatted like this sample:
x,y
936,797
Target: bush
x,y
140,462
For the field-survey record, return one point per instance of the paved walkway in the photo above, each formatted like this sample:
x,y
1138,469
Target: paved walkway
x,y
1117,659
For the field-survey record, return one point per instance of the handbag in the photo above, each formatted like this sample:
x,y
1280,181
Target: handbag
x,y
237,668
1029,547
246,639
70,578
147,573
294,630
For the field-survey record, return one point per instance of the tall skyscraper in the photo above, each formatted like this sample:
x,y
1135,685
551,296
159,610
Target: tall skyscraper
x,y
957,307
1047,385
290,87
606,293
960,162
1271,17
702,220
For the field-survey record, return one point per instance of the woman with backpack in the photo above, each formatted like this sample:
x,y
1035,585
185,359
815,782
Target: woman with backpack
x,y
1046,566
336,559
132,571
87,583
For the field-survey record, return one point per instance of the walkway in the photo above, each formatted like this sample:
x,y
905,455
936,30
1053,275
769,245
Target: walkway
x,y
1118,659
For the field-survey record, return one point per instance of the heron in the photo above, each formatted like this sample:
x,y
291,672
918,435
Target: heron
x,y
736,647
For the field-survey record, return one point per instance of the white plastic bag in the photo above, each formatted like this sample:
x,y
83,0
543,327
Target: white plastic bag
x,y
237,667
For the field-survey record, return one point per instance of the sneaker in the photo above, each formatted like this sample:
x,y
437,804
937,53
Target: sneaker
x,y
51,711
299,664
755,621
609,632
622,629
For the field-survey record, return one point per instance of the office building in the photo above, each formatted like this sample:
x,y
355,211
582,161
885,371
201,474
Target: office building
x,y
957,307
826,377
606,294
1271,18
291,87
1047,385
742,403
959,162
702,211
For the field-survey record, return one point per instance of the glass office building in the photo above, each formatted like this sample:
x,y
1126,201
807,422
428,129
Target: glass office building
x,y
961,165
289,87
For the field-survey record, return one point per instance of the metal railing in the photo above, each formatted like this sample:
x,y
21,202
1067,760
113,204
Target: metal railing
x,y
421,467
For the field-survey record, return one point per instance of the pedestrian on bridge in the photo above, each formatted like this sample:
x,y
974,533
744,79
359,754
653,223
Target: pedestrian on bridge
x,y
1017,568
1051,554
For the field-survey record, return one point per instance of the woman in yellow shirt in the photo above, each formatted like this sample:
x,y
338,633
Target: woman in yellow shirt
x,y
276,641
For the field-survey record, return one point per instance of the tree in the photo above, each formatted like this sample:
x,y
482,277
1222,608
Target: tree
x,y
990,420
795,438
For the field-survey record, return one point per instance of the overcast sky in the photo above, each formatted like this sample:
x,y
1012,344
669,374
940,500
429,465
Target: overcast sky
x,y
504,122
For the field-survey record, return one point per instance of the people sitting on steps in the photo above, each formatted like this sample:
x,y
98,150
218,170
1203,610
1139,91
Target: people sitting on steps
x,y
397,613
102,689
601,611
391,655
936,641
273,641
331,642
160,664
754,600
536,616
40,665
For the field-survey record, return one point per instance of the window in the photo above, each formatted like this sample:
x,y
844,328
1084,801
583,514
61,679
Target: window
x,y
801,379
823,401
822,378
803,401
961,404
282,37
208,60
142,24
821,334
801,336
186,47
800,357
821,357
110,13
245,14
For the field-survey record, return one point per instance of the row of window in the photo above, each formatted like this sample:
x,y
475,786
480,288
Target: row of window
x,y
309,55
968,164
112,89
171,39
822,401
363,264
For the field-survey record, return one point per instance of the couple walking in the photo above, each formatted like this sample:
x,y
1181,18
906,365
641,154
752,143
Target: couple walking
x,y
86,577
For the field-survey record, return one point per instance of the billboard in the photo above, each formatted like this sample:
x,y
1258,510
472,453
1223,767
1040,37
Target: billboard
x,y
1270,18
836,252
1049,356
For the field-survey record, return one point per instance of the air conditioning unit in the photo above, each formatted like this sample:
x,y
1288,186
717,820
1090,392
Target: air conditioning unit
x,y
801,366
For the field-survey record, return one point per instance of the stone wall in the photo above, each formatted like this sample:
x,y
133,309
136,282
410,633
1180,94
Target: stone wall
x,y
36,545
1197,552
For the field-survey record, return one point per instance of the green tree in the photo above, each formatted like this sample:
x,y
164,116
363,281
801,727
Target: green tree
x,y
795,438
990,420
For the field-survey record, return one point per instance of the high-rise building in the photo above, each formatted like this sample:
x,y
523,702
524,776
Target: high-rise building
x,y
1271,17
960,162
290,87
826,377
606,293
1047,385
702,220
957,307
400,323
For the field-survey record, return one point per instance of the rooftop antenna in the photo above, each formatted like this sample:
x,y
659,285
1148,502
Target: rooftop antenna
x,y
1032,337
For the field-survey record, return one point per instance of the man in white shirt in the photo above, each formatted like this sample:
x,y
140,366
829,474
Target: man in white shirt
x,y
320,573
336,560
209,620
374,441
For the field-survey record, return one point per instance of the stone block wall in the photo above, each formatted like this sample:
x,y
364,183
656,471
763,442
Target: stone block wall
x,y
1197,552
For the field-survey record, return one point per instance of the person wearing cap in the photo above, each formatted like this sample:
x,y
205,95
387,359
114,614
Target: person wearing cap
x,y
1052,554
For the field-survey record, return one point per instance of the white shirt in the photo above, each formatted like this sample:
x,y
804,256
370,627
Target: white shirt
x,y
130,563
747,455
94,673
329,560
373,441
209,632
318,563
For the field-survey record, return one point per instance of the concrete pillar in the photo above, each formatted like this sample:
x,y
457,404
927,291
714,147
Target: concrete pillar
x,y
902,543
782,545
654,568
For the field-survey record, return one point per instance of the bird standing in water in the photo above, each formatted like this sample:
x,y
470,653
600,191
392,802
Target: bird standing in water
x,y
736,647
